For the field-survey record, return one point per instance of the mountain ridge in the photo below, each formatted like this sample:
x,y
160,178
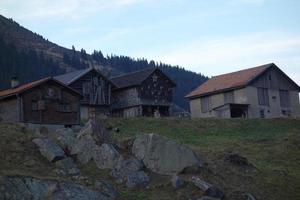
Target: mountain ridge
x,y
30,56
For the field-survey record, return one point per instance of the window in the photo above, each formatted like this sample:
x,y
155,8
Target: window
x,y
34,105
284,98
205,104
263,96
229,97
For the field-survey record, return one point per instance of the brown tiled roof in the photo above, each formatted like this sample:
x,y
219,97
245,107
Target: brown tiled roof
x,y
228,81
19,89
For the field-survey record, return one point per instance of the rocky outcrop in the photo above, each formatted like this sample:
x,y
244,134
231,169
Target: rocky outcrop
x,y
23,188
106,156
130,172
163,156
97,131
67,167
49,149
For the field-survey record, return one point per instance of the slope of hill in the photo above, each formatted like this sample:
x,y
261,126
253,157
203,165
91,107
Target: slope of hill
x,y
271,146
29,56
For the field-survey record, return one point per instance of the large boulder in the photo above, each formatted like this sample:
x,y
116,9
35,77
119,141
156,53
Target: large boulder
x,y
23,188
162,155
106,156
49,149
81,146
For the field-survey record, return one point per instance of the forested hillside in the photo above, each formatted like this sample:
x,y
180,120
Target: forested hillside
x,y
29,56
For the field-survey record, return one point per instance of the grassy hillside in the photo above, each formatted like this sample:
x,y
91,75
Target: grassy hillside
x,y
271,146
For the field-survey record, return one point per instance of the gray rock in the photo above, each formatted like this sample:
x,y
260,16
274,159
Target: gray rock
x,y
106,188
177,182
209,190
129,165
49,149
208,198
106,156
137,179
162,155
24,188
81,146
68,166
85,149
129,171
96,130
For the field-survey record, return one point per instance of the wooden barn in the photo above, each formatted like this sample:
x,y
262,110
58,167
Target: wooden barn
x,y
146,92
46,101
95,89
260,92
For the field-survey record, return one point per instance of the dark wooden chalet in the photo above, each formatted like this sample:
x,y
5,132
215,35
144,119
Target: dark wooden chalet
x,y
142,93
95,89
46,101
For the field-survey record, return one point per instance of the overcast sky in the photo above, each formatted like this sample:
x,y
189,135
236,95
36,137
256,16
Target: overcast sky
x,y
211,37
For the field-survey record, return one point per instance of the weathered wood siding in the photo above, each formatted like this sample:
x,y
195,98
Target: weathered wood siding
x,y
127,97
10,110
156,90
95,89
283,97
50,103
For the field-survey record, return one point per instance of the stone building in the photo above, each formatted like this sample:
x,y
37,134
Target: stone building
x,y
260,92
95,89
46,101
146,92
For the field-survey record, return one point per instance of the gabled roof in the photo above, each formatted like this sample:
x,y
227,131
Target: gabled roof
x,y
73,76
22,88
231,81
135,78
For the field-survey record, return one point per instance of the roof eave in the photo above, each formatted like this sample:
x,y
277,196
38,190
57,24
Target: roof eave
x,y
213,92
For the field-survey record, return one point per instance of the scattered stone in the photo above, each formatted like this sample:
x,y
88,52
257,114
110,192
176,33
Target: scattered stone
x,y
106,156
49,149
97,131
137,179
177,182
85,149
129,171
209,190
250,196
106,188
129,165
237,160
239,195
22,188
68,166
162,155
116,129
125,144
208,198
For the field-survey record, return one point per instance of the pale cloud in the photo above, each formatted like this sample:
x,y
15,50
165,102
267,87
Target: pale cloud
x,y
253,2
216,56
64,8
